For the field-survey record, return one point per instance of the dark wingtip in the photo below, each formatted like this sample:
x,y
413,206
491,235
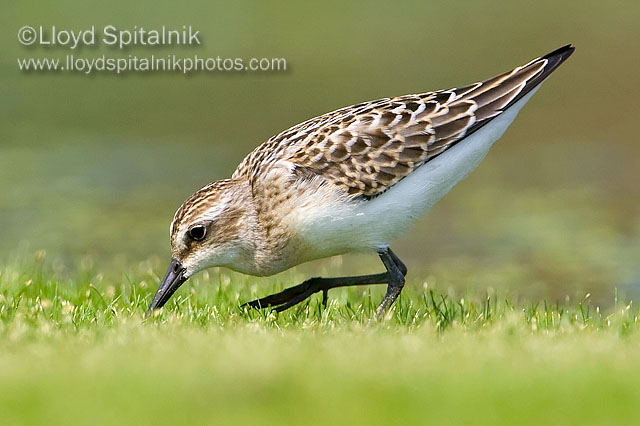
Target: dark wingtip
x,y
558,56
564,51
554,60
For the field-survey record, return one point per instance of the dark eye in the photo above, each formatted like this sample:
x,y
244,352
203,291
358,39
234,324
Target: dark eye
x,y
198,232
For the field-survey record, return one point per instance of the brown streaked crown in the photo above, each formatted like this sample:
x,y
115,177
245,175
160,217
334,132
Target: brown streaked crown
x,y
199,202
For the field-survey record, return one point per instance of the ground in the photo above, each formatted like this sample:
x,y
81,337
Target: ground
x,y
78,350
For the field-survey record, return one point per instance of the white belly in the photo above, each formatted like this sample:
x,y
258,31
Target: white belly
x,y
375,223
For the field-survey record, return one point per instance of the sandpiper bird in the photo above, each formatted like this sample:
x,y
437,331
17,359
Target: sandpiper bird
x,y
347,181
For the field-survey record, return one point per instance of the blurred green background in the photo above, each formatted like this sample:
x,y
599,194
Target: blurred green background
x,y
94,166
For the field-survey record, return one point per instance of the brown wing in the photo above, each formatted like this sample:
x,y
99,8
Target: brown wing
x,y
367,148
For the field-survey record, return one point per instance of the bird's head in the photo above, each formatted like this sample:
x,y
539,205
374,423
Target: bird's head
x,y
209,229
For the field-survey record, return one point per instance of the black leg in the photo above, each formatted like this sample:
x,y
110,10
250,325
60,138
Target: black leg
x,y
294,295
401,266
396,271
291,296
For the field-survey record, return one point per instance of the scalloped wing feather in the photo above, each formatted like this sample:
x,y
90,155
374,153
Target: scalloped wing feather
x,y
367,148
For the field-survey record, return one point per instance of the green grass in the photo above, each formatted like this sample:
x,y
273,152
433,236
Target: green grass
x,y
76,349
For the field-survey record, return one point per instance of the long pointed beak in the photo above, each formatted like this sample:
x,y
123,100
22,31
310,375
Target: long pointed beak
x,y
172,280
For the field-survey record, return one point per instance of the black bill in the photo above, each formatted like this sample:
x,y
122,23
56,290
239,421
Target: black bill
x,y
172,280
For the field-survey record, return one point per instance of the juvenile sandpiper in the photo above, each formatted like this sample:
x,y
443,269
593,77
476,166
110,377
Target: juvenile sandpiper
x,y
350,180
